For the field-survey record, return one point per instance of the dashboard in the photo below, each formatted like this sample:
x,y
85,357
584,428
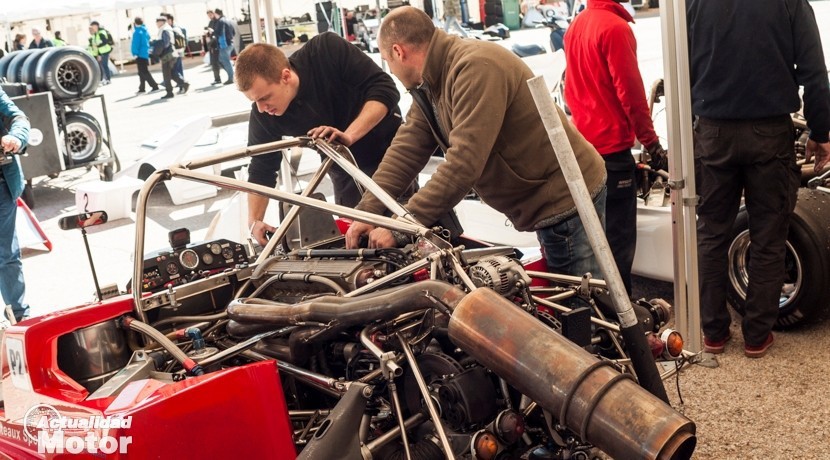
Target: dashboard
x,y
172,267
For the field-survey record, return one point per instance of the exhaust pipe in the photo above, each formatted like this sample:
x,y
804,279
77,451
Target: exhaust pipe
x,y
592,399
604,407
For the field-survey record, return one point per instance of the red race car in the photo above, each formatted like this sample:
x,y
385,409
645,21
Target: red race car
x,y
305,349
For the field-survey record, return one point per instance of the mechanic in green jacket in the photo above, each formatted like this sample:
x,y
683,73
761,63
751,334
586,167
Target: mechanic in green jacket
x,y
471,98
100,46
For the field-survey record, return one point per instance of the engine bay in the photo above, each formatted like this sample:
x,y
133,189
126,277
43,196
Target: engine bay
x,y
427,350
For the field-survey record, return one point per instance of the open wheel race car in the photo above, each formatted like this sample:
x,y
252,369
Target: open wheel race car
x,y
306,349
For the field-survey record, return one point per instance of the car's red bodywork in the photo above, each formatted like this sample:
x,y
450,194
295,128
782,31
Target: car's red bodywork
x,y
237,412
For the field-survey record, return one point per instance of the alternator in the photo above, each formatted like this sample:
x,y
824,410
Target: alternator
x,y
499,273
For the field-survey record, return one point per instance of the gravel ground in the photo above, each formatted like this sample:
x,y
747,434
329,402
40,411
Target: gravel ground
x,y
768,408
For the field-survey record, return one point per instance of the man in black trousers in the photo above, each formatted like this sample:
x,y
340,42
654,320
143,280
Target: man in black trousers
x,y
748,59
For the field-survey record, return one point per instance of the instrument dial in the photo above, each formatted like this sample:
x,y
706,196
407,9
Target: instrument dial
x,y
216,249
172,268
189,259
227,253
207,258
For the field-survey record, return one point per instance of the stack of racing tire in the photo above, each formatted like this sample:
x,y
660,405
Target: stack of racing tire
x,y
72,75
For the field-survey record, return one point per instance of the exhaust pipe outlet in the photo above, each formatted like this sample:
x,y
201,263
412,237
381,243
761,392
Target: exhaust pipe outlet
x,y
604,407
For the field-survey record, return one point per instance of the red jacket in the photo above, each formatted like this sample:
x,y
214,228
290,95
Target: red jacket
x,y
603,85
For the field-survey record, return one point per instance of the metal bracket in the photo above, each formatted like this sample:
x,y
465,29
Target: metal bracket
x,y
692,202
585,284
679,184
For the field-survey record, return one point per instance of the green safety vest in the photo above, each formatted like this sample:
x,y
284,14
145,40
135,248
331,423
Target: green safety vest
x,y
98,43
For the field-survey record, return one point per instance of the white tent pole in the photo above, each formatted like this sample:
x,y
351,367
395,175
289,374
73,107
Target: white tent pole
x,y
270,24
118,41
256,31
681,170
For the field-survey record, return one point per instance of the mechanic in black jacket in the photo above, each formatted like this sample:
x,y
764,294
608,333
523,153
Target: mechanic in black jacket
x,y
748,59
328,89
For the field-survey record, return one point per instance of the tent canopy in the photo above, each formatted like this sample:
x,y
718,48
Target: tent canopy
x,y
25,11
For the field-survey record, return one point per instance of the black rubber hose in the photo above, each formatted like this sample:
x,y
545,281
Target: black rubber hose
x,y
189,319
189,364
345,312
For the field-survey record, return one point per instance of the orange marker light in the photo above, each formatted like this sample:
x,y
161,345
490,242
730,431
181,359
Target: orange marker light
x,y
674,343
484,445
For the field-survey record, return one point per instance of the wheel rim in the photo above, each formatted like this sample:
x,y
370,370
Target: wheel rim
x,y
82,140
739,270
70,75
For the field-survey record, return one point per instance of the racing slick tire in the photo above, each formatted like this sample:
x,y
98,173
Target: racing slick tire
x,y
806,266
69,72
4,64
83,137
15,65
29,69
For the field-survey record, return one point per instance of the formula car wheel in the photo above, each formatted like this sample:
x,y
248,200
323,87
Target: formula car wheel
x,y
4,63
16,65
69,72
29,69
83,137
806,264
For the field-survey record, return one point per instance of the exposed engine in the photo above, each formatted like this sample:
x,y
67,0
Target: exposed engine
x,y
426,351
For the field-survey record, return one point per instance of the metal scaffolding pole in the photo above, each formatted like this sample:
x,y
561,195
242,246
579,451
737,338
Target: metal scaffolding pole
x,y
681,171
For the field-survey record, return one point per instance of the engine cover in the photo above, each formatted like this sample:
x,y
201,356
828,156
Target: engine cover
x,y
289,275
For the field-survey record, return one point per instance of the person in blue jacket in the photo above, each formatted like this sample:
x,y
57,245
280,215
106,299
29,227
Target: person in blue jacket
x,y
141,51
15,128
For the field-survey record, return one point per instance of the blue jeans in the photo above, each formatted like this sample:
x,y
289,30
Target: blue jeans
x,y
225,61
566,245
179,69
104,63
12,286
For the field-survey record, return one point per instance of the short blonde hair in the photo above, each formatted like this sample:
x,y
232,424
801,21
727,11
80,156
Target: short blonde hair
x,y
259,60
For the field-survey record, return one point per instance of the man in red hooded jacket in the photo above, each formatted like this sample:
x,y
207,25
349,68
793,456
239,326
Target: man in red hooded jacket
x,y
606,95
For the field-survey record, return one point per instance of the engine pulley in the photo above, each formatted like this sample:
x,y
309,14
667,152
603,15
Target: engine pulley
x,y
499,273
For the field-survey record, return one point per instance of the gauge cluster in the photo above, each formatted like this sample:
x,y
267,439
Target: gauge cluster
x,y
172,267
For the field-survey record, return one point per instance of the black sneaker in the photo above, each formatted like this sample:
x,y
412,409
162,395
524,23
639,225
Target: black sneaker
x,y
155,89
168,96
216,82
141,91
229,82
185,88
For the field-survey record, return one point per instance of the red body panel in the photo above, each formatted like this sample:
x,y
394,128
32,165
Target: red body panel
x,y
237,412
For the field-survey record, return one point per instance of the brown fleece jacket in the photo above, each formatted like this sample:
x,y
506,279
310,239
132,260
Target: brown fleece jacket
x,y
497,142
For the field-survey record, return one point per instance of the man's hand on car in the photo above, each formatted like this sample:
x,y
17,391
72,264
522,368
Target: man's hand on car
x,y
821,153
258,229
330,133
378,237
